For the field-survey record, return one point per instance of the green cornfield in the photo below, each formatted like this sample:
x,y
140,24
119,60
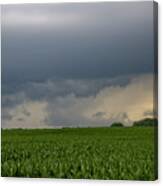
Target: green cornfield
x,y
126,153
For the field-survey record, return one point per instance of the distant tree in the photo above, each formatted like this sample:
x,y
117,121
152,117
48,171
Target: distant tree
x,y
146,122
117,125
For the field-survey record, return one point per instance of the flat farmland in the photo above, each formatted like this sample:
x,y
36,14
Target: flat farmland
x,y
120,153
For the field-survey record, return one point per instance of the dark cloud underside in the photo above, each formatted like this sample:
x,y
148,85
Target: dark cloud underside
x,y
76,40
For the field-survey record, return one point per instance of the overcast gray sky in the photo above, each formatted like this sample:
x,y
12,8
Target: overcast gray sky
x,y
76,64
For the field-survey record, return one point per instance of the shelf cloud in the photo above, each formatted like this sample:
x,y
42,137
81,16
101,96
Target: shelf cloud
x,y
107,104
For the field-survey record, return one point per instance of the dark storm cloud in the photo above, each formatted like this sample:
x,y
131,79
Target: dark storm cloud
x,y
72,64
40,42
62,87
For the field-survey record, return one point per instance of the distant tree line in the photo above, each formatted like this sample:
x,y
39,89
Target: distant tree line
x,y
146,122
141,123
117,125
